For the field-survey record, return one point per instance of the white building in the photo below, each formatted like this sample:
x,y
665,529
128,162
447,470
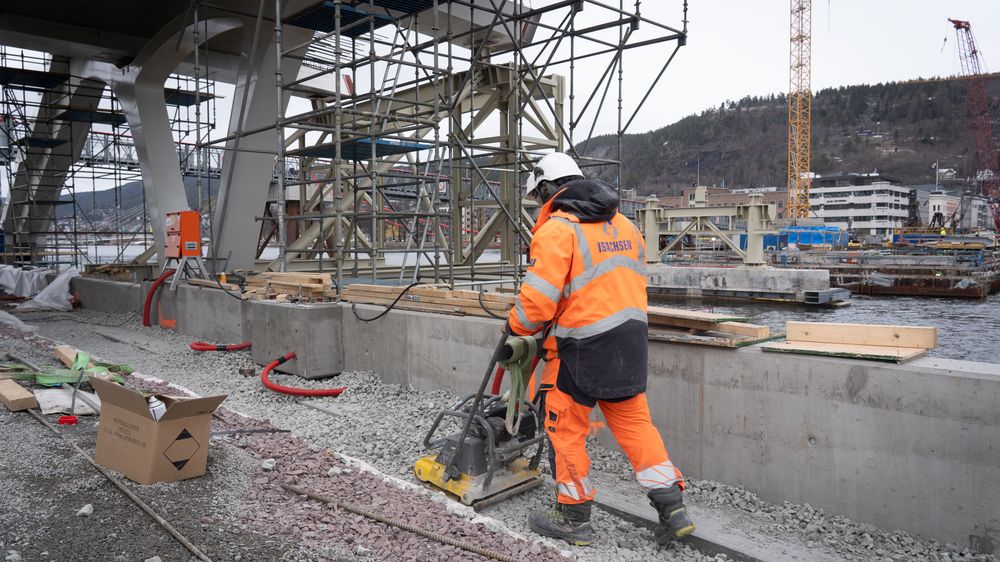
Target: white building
x,y
867,204
965,211
939,202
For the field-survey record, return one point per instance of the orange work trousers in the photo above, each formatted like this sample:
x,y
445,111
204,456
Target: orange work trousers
x,y
567,424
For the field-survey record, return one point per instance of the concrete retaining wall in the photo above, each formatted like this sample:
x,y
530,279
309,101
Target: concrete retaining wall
x,y
913,446
108,296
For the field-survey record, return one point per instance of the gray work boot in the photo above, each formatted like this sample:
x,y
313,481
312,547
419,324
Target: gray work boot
x,y
674,521
570,522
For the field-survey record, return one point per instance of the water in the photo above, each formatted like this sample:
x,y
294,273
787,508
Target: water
x,y
967,328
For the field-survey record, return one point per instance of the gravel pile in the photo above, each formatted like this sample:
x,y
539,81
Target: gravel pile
x,y
385,424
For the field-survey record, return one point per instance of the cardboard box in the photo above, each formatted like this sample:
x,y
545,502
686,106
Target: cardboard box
x,y
145,450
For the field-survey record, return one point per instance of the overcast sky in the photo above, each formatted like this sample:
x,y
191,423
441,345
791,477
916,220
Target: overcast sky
x,y
738,48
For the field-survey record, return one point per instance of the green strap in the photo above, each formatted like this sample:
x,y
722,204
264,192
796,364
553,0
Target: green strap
x,y
518,369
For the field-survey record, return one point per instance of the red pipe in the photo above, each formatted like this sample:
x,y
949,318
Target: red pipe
x,y
152,291
292,390
203,346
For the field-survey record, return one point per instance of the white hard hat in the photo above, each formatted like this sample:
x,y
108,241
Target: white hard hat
x,y
551,168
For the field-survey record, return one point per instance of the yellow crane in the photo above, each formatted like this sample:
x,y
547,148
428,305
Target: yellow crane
x,y
799,108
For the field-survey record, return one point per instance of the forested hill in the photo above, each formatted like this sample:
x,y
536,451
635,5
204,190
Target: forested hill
x,y
900,129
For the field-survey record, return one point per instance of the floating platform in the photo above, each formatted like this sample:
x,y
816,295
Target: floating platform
x,y
805,286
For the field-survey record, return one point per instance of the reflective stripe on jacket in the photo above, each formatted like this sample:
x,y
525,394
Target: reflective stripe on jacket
x,y
588,279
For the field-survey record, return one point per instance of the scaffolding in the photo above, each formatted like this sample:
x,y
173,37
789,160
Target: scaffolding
x,y
402,155
65,147
424,116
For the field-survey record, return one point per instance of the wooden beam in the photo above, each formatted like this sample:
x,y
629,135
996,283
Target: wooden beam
x,y
212,284
16,397
919,337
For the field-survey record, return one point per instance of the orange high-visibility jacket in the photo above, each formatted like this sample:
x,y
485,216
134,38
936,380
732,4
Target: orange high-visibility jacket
x,y
586,282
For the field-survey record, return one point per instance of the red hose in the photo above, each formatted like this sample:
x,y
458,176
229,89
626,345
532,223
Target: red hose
x,y
290,389
498,376
203,346
152,291
497,380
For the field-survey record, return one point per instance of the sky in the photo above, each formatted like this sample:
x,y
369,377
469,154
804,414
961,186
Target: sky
x,y
740,47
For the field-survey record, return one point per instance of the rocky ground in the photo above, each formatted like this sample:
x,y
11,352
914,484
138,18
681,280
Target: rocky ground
x,y
384,425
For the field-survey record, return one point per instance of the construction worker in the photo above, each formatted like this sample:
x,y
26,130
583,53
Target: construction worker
x,y
586,287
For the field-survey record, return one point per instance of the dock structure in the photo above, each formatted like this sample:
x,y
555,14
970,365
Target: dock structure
x,y
928,272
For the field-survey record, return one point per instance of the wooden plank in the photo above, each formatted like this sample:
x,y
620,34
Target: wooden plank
x,y
288,284
432,297
487,296
405,305
664,312
659,316
714,339
67,354
16,397
212,284
922,337
433,303
853,351
743,329
432,291
297,277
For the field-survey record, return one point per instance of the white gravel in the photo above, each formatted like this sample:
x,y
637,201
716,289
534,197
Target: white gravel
x,y
384,424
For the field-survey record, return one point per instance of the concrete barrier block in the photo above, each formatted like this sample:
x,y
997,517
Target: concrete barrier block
x,y
313,331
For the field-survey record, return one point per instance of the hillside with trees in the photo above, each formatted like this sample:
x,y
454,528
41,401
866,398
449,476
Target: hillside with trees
x,y
900,129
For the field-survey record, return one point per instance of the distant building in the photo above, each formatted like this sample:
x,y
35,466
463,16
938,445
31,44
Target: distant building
x,y
867,204
959,210
720,197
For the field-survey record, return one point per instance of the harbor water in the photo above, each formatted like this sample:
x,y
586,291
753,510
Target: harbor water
x,y
966,327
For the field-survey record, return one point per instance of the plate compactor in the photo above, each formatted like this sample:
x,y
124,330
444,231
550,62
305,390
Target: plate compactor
x,y
496,452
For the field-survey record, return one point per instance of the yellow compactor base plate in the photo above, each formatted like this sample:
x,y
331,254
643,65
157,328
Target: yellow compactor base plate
x,y
516,478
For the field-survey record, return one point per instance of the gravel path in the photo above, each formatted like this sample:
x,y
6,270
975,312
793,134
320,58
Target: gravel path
x,y
384,425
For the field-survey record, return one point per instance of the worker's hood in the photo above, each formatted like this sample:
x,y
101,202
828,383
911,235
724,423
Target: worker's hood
x,y
586,199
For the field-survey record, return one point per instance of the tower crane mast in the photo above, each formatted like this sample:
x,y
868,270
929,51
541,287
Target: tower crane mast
x,y
799,109
979,111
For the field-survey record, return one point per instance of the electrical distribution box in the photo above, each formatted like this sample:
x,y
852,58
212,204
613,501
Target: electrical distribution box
x,y
183,234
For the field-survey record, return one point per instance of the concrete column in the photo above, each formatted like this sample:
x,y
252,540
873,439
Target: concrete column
x,y
755,231
139,88
82,94
248,164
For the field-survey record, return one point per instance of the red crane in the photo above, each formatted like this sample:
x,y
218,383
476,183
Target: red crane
x,y
979,110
